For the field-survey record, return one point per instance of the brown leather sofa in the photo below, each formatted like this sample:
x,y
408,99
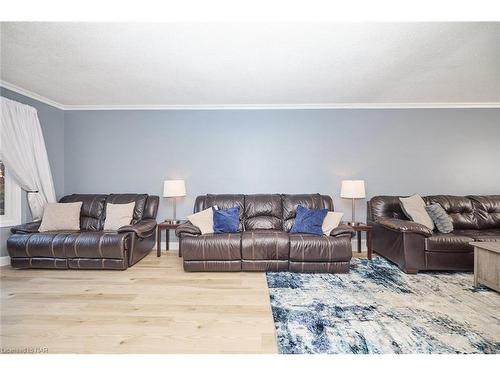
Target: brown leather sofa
x,y
91,247
264,243
414,247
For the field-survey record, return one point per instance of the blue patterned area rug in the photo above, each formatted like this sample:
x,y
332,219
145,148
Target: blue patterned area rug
x,y
376,308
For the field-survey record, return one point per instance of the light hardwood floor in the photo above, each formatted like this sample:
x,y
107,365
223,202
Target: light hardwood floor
x,y
153,307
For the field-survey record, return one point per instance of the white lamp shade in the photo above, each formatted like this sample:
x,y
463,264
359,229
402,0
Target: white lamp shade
x,y
353,189
174,188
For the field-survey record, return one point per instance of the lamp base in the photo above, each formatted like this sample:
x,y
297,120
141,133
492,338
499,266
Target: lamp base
x,y
172,221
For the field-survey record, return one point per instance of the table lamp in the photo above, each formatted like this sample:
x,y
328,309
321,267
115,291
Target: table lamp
x,y
353,189
174,189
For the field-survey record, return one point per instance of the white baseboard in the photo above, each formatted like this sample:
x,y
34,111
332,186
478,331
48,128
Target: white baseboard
x,y
354,243
171,245
4,261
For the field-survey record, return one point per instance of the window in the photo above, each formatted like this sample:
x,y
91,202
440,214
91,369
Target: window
x,y
10,199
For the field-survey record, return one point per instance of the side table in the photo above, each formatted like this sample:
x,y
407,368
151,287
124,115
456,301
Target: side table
x,y
164,226
359,228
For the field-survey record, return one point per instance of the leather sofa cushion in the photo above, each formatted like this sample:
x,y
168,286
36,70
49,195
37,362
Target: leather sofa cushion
x,y
47,244
263,211
97,245
480,235
265,244
385,207
92,212
448,242
291,202
312,248
459,208
90,244
139,199
487,210
215,246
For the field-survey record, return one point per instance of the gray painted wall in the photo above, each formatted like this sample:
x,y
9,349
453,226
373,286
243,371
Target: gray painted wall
x,y
429,151
426,151
52,123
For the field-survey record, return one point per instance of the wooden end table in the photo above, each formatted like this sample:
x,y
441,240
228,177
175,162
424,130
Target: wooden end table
x,y
164,226
487,264
359,228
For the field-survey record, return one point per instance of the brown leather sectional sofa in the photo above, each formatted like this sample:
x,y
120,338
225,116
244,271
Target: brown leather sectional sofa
x,y
264,243
91,247
414,247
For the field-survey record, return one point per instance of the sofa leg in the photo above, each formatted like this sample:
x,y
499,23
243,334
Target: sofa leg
x,y
410,271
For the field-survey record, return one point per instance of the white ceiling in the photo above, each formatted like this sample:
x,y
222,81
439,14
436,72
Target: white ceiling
x,y
248,64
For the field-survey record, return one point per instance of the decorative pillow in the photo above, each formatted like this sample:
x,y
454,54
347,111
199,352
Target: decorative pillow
x,y
118,215
227,221
204,220
309,220
440,217
61,216
414,208
331,220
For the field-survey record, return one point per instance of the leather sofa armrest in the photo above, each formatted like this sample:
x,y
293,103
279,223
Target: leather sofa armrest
x,y
142,229
187,228
26,228
342,230
405,226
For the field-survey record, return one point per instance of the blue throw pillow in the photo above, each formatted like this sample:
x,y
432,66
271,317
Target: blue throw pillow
x,y
227,221
309,220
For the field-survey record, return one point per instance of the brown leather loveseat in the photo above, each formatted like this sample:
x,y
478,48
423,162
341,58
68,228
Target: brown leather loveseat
x,y
264,242
414,247
91,247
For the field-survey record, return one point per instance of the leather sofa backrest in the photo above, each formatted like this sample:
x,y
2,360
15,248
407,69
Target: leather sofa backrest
x,y
139,199
384,206
459,208
222,201
151,208
263,211
292,201
92,213
466,212
487,208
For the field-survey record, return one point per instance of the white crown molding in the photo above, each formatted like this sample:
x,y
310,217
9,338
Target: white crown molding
x,y
31,94
202,107
53,103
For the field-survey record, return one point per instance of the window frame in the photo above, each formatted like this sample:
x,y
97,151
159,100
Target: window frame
x,y
13,208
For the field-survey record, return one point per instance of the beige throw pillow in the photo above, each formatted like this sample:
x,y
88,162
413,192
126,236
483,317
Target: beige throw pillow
x,y
118,215
331,221
414,208
61,216
204,220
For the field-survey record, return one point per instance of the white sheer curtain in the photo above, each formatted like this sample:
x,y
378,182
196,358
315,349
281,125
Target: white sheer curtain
x,y
23,152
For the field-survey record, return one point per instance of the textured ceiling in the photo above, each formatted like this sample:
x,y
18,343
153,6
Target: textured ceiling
x,y
139,64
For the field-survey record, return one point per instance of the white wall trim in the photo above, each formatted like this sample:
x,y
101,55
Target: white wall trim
x,y
171,245
31,94
202,107
354,243
4,261
147,107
